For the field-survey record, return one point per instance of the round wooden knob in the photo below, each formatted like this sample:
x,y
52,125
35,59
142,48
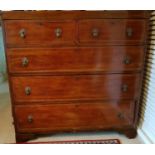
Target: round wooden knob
x,y
25,62
27,91
129,32
58,32
22,33
30,118
95,32
125,88
127,61
120,115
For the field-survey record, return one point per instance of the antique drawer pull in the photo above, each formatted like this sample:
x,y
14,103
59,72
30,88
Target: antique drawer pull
x,y
127,61
120,115
95,32
129,32
124,88
27,91
22,33
30,118
25,62
58,32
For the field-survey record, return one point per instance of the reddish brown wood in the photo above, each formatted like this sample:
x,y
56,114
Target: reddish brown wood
x,y
76,81
20,137
106,59
130,133
41,33
112,31
42,15
68,117
75,87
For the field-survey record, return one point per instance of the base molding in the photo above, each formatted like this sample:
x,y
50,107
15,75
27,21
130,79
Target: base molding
x,y
20,138
142,135
129,131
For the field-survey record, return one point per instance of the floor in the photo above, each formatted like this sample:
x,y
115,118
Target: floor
x,y
7,134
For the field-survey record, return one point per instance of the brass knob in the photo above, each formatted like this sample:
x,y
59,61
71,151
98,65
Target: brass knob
x,y
30,118
58,32
95,32
27,91
25,61
127,61
120,115
22,33
124,88
129,32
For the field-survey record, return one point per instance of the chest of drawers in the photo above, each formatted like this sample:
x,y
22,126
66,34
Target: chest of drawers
x,y
75,71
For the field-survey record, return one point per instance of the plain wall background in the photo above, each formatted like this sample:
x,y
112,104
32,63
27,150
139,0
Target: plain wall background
x,y
2,59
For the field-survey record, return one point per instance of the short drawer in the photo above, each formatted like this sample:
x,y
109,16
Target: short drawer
x,y
75,116
21,33
102,59
75,87
112,31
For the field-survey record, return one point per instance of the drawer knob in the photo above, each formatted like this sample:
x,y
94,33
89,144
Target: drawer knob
x,y
25,62
27,91
22,33
30,118
58,32
95,32
127,61
120,115
129,32
124,88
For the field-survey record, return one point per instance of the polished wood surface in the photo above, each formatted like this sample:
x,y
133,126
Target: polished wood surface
x,y
45,88
55,15
112,31
69,60
42,33
75,70
39,33
72,117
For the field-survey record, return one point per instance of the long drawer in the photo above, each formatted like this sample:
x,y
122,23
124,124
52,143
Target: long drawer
x,y
109,59
42,33
75,87
112,31
75,116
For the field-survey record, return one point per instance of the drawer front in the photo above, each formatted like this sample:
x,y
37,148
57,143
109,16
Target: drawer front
x,y
112,31
75,116
40,33
75,87
109,59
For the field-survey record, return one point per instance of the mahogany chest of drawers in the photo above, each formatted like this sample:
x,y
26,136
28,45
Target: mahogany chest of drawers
x,y
75,71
